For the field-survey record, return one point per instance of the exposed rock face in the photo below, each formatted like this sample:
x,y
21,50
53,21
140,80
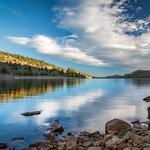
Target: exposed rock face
x,y
146,99
116,125
31,113
3,145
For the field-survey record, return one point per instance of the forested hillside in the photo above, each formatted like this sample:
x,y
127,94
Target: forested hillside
x,y
19,65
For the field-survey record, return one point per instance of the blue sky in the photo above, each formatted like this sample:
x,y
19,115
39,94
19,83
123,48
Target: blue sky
x,y
98,37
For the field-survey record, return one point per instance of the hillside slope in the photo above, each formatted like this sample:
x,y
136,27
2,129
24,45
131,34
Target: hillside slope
x,y
19,65
134,74
138,74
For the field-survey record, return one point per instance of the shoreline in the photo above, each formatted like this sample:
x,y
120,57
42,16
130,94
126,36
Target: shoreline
x,y
119,135
14,77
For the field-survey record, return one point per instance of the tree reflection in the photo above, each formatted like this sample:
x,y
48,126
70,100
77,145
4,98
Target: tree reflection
x,y
74,82
15,89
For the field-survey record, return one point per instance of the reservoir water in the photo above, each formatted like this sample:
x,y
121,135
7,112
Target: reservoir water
x,y
79,104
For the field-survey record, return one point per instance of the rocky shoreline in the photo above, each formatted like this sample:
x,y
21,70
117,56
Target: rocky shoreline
x,y
119,135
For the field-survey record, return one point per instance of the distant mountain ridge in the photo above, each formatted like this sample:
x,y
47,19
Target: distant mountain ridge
x,y
14,64
138,74
135,74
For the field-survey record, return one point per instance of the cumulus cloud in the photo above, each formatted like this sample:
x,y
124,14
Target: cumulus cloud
x,y
103,28
102,33
50,46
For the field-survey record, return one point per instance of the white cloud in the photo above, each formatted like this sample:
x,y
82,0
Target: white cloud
x,y
99,30
19,40
50,46
101,25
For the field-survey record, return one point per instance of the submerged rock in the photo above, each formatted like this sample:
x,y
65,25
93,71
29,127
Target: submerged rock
x,y
18,138
146,99
31,113
56,127
116,125
3,145
94,148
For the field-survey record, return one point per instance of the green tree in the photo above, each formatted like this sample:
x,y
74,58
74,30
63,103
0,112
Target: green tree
x,y
3,70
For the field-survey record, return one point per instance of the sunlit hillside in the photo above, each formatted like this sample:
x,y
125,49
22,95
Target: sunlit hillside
x,y
19,65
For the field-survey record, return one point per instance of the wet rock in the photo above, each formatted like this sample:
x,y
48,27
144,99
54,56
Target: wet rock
x,y
148,110
141,126
50,135
94,148
113,142
84,133
17,139
33,148
43,145
87,143
3,145
146,148
147,123
31,113
56,126
135,122
11,147
136,139
122,133
127,148
95,134
61,145
116,125
146,99
71,142
86,136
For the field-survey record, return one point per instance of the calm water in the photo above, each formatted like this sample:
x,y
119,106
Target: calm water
x,y
79,104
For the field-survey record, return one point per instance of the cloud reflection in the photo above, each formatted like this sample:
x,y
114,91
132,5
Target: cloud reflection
x,y
67,104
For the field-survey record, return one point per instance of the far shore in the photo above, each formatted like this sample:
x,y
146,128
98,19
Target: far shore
x,y
11,77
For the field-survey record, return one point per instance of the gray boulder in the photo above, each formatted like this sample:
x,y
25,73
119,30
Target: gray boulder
x,y
116,125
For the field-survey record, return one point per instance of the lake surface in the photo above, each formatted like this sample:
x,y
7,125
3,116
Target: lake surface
x,y
80,104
